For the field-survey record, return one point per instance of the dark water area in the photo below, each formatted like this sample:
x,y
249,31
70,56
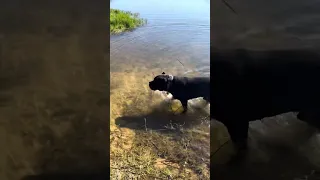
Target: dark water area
x,y
176,31
53,89
263,24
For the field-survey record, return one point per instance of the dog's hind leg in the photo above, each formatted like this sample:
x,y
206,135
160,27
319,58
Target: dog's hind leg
x,y
207,99
311,117
238,131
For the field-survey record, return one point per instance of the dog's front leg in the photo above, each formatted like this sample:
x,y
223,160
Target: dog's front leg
x,y
238,133
184,103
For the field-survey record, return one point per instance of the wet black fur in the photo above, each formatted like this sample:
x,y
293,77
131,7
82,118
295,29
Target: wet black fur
x,y
182,88
251,85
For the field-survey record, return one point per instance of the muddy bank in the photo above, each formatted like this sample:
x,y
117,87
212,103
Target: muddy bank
x,y
53,87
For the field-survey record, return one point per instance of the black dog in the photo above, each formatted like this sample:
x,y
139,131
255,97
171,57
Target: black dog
x,y
182,88
251,85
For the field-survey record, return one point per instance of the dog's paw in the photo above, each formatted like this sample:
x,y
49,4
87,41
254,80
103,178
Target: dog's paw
x,y
239,156
184,111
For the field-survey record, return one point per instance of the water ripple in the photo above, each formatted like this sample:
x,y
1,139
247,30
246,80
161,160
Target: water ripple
x,y
174,34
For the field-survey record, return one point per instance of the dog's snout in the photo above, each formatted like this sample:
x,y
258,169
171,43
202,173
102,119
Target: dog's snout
x,y
151,85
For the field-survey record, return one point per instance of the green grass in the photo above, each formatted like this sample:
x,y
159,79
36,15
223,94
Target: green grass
x,y
121,21
184,153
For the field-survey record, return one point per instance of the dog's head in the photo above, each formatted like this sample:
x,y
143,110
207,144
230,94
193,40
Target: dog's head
x,y
161,82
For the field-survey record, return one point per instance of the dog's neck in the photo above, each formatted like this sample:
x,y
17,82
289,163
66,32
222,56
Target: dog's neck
x,y
170,82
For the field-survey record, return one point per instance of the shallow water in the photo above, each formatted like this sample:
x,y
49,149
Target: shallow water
x,y
177,35
53,96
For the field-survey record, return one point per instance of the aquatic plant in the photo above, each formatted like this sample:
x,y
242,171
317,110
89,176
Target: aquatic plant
x,y
121,21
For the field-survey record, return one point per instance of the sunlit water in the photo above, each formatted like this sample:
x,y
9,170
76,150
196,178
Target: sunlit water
x,y
175,40
176,37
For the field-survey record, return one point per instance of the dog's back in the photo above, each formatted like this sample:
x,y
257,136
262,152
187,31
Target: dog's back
x,y
257,84
192,87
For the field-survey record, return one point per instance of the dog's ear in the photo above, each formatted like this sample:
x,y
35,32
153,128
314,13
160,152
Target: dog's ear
x,y
163,73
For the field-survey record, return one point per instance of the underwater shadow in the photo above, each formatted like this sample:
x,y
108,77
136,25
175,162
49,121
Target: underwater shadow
x,y
162,119
81,153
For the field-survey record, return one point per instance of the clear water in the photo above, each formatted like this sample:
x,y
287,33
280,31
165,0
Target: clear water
x,y
177,35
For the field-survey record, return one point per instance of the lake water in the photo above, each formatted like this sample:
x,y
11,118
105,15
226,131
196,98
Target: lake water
x,y
176,31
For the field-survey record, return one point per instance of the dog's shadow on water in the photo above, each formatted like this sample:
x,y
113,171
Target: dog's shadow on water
x,y
162,117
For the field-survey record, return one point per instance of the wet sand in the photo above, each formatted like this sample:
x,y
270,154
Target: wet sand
x,y
54,92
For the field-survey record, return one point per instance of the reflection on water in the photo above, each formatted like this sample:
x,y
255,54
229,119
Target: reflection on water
x,y
175,32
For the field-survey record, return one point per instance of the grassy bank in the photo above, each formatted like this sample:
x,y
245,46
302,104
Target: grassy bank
x,y
121,21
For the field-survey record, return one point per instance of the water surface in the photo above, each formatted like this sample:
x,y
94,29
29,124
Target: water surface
x,y
176,31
